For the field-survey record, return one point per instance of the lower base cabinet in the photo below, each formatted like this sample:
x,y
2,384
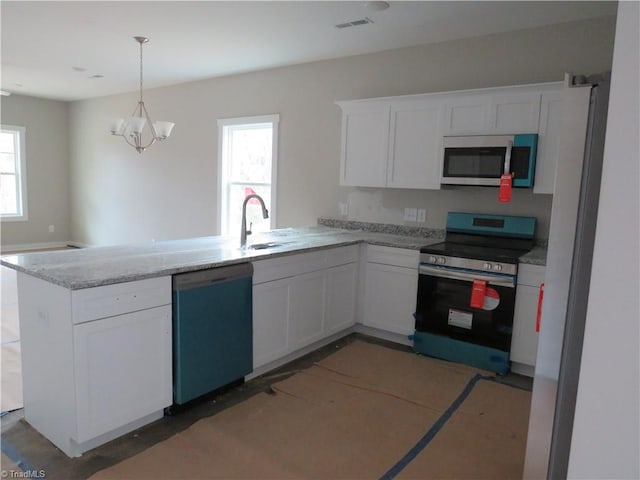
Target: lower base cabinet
x,y
524,340
114,390
301,299
390,289
97,361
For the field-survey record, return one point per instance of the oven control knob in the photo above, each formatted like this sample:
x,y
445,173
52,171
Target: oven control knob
x,y
497,267
487,266
442,260
432,259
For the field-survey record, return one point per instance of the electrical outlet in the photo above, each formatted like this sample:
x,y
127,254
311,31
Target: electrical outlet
x,y
52,228
344,208
422,215
410,214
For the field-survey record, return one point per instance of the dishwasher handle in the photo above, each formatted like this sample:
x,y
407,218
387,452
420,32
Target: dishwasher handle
x,y
210,276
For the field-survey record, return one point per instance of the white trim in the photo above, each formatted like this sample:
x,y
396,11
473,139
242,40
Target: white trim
x,y
22,174
24,247
273,120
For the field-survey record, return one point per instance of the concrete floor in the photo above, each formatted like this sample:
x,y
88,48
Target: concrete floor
x,y
31,451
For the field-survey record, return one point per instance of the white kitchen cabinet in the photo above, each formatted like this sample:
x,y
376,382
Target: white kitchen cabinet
x,y
548,140
365,146
307,306
390,289
301,299
478,113
96,362
514,113
415,145
341,297
270,321
123,369
396,142
524,340
466,114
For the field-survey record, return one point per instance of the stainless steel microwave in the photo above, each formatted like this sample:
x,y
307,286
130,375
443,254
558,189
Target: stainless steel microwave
x,y
482,159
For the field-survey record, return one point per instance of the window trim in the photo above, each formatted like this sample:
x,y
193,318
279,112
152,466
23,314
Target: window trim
x,y
274,120
21,165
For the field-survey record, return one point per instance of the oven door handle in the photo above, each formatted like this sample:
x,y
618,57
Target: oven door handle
x,y
500,281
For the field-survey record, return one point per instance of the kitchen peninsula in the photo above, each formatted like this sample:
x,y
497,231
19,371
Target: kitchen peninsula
x,y
96,327
96,323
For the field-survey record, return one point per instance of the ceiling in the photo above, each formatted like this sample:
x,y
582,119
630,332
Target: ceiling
x,y
80,49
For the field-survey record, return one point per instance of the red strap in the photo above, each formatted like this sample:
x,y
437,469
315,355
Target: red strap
x,y
477,293
540,300
506,182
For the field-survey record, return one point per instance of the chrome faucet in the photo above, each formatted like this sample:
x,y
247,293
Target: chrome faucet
x,y
244,232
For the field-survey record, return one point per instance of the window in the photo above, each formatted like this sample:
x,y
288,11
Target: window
x,y
248,156
13,181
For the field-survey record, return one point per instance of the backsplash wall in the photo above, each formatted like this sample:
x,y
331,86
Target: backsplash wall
x,y
387,205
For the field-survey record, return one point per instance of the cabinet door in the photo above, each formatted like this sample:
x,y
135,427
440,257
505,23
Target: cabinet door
x,y
524,340
514,113
467,115
415,147
341,298
270,321
390,298
365,140
123,369
548,136
307,309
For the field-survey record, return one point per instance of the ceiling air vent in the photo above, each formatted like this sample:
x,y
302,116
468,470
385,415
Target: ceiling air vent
x,y
355,23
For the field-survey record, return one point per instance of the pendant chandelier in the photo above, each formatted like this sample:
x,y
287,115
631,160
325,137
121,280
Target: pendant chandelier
x,y
131,128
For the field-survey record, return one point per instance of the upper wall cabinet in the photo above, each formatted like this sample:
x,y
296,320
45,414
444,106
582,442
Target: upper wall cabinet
x,y
396,142
394,145
477,114
365,143
415,144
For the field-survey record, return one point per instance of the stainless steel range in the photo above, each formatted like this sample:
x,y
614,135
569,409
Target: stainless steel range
x,y
467,288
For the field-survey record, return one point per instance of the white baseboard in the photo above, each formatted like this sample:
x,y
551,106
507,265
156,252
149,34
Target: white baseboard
x,y
26,247
383,334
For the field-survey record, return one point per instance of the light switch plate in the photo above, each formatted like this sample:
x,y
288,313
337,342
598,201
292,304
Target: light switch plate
x,y
422,215
410,214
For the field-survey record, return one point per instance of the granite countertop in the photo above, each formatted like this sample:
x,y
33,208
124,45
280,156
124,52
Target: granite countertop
x,y
96,266
537,256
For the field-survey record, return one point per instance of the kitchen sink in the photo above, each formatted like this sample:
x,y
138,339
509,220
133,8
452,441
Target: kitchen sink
x,y
262,246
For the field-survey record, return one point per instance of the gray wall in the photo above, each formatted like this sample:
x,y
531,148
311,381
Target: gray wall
x,y
47,160
170,191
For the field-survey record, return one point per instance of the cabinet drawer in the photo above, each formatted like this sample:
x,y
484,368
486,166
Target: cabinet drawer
x,y
101,302
342,255
301,263
287,266
532,275
399,257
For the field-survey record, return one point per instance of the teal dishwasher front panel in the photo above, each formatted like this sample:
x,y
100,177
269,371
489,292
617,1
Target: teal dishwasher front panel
x,y
212,337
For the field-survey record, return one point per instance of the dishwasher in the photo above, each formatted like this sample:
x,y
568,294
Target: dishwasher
x,y
212,330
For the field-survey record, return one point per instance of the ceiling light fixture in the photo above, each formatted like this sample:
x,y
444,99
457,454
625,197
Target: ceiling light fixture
x,y
131,128
377,6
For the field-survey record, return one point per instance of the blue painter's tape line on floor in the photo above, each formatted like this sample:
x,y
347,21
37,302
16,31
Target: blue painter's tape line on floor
x,y
14,456
424,441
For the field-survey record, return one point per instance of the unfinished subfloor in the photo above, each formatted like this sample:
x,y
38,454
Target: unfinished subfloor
x,y
24,446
